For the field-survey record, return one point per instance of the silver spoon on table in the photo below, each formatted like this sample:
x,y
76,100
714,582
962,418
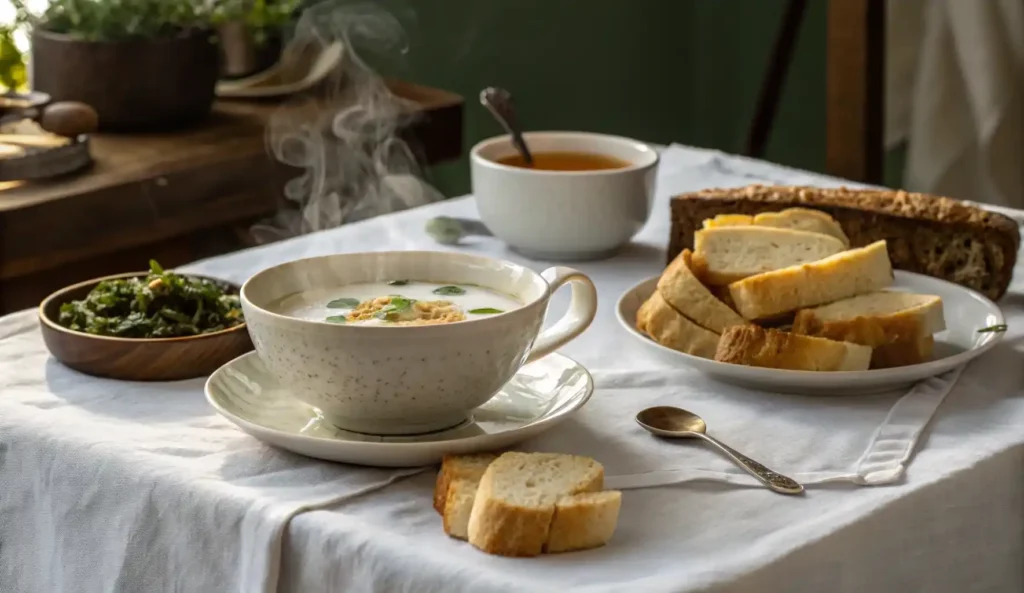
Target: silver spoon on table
x,y
677,423
499,102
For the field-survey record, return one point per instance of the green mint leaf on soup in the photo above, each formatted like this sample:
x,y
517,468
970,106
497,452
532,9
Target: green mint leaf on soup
x,y
449,291
397,305
485,311
398,282
337,319
343,304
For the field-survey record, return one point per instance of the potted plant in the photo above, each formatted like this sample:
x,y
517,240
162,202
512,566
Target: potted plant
x,y
141,64
250,33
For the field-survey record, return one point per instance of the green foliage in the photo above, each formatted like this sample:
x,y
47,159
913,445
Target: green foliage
x,y
161,305
118,20
12,65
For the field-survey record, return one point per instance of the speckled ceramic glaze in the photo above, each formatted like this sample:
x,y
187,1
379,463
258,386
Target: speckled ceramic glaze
x,y
541,395
407,379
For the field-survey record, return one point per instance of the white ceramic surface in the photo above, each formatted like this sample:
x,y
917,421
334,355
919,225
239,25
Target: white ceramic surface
x,y
539,396
564,215
407,379
966,312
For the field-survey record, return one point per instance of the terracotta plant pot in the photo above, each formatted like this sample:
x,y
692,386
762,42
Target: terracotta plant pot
x,y
137,85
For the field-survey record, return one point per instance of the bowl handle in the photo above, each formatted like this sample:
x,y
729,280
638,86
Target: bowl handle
x,y
582,309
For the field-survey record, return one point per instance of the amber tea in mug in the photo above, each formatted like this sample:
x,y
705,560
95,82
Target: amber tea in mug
x,y
565,161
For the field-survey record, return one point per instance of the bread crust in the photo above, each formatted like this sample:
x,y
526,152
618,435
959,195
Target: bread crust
x,y
751,345
840,276
681,289
931,235
584,521
456,467
499,525
672,329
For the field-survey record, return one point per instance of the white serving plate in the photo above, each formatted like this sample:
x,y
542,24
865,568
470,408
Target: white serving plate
x,y
541,395
966,312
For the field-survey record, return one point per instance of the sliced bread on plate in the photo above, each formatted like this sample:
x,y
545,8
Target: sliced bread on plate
x,y
836,277
874,319
685,293
516,509
751,345
672,329
903,353
723,255
803,219
898,325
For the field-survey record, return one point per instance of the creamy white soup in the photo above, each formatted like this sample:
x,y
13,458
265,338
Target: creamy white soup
x,y
397,302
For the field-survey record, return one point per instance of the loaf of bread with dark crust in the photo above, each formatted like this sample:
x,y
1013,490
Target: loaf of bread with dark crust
x,y
940,237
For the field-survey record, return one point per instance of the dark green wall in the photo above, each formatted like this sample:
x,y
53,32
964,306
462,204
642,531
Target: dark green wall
x,y
659,70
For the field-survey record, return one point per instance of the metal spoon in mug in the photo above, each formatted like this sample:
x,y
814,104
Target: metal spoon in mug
x,y
499,102
676,423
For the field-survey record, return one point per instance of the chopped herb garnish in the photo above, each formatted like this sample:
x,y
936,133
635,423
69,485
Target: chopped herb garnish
x,y
485,311
160,305
337,319
398,282
343,303
396,307
449,291
993,328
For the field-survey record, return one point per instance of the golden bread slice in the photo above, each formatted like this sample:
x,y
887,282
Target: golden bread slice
x,y
685,293
755,346
516,502
584,521
672,329
459,467
903,353
840,276
803,219
724,255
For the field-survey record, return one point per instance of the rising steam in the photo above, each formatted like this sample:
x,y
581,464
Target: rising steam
x,y
346,136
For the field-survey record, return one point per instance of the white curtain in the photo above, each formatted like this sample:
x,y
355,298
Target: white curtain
x,y
955,92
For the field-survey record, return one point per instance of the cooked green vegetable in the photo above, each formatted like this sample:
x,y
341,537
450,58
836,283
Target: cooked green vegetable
x,y
449,291
343,303
485,311
161,305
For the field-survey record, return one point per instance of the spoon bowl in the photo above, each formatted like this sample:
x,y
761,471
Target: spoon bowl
x,y
676,423
670,422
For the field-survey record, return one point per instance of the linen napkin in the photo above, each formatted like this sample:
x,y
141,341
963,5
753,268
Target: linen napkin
x,y
127,481
860,439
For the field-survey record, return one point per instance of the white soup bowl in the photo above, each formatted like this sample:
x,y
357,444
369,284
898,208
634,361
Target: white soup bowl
x,y
407,379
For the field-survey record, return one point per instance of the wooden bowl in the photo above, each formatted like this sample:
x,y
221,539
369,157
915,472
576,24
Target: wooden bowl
x,y
137,359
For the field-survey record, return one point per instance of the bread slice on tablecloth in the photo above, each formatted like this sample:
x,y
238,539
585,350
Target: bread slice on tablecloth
x,y
521,494
672,329
685,293
456,487
840,276
755,346
898,325
723,255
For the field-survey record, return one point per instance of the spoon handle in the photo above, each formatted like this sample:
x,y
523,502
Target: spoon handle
x,y
773,480
499,102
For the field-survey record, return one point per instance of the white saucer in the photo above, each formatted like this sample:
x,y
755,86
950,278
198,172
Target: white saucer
x,y
966,312
541,395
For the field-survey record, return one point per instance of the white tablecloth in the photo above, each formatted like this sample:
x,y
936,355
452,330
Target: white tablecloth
x,y
108,486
